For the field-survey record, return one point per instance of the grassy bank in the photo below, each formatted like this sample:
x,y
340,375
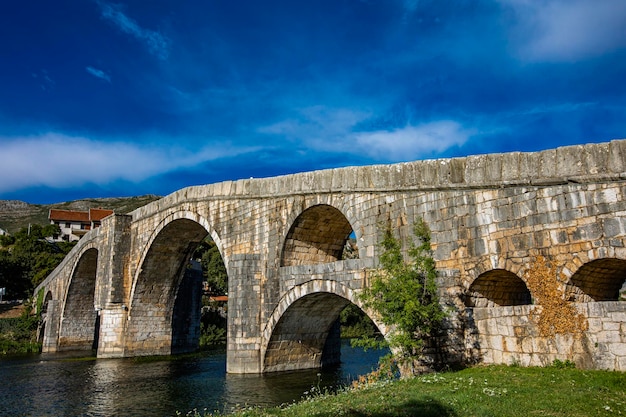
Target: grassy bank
x,y
17,330
481,391
17,335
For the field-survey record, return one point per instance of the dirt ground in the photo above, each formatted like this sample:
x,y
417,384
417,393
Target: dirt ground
x,y
9,310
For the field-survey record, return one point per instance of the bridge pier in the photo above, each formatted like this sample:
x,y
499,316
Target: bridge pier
x,y
243,355
50,330
112,332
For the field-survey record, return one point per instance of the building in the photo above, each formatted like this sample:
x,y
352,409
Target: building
x,y
3,232
74,224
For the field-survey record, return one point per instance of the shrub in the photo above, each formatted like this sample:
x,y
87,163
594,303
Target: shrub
x,y
404,294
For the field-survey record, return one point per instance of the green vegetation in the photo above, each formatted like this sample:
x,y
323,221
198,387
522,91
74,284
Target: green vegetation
x,y
212,335
213,320
212,324
477,392
404,294
357,325
27,258
18,334
213,267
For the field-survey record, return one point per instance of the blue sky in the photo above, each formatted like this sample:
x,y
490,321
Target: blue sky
x,y
107,98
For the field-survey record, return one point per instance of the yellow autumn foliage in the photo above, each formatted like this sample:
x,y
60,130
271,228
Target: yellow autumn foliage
x,y
556,316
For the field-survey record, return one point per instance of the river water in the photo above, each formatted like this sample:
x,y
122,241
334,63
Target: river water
x,y
55,385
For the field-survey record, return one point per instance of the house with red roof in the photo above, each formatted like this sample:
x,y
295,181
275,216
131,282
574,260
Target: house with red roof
x,y
74,224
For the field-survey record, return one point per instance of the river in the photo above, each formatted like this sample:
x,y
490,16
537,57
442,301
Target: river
x,y
57,385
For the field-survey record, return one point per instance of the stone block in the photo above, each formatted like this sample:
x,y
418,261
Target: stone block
x,y
611,325
616,161
618,349
609,337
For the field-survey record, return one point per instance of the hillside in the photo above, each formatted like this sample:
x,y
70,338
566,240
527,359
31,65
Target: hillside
x,y
17,214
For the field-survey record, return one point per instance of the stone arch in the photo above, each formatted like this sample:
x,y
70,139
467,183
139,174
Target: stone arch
x,y
181,215
597,280
46,301
317,235
489,263
497,287
299,334
41,330
79,318
163,317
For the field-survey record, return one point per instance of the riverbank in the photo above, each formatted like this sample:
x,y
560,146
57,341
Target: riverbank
x,y
11,309
17,329
503,391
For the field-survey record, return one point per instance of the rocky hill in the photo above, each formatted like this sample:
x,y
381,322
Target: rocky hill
x,y
17,214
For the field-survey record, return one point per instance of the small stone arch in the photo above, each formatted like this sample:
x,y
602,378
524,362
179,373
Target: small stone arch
x,y
598,280
79,318
297,333
497,287
490,263
46,301
155,296
41,330
317,235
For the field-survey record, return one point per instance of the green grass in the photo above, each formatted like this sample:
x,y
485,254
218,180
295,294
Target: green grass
x,y
497,391
17,335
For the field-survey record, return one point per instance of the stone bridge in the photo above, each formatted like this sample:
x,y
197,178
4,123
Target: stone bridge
x,y
127,289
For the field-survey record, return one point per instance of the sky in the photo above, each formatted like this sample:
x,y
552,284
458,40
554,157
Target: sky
x,y
103,98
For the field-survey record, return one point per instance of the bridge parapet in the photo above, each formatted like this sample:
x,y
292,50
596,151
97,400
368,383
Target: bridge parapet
x,y
591,163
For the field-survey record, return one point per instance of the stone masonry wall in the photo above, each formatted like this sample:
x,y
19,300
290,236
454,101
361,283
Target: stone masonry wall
x,y
509,335
486,213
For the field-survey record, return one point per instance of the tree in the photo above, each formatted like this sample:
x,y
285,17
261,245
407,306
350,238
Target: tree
x,y
28,258
404,294
14,276
213,267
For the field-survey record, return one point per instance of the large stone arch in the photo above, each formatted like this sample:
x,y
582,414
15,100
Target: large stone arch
x,y
296,334
78,327
597,280
497,287
157,293
317,235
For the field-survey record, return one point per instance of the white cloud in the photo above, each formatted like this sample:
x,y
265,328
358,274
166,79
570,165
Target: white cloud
x,y
317,123
336,131
567,30
98,74
411,142
57,160
157,43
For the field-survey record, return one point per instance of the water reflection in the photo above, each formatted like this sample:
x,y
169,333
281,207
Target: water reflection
x,y
58,386
113,387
